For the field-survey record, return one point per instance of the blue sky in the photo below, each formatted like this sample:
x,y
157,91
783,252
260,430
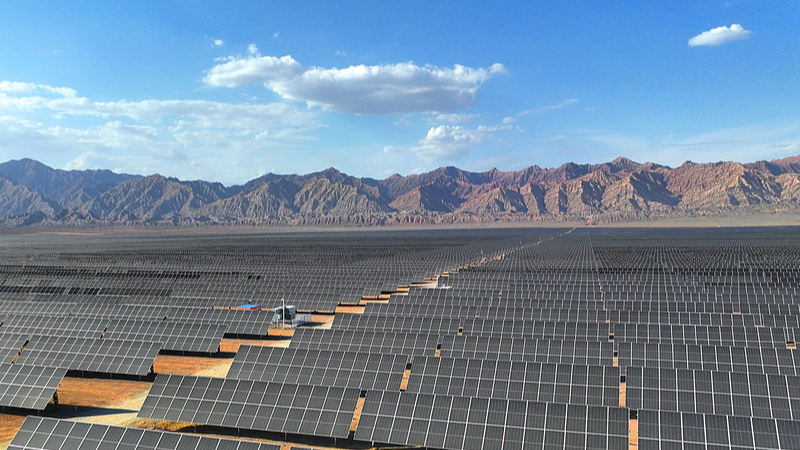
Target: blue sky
x,y
229,91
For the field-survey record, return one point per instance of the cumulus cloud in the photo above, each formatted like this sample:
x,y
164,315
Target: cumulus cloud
x,y
720,35
217,42
453,142
381,89
447,142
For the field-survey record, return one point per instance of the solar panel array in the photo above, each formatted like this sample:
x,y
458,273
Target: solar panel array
x,y
531,338
39,433
665,430
85,327
177,336
91,355
782,361
369,341
521,349
10,345
319,367
721,393
28,387
518,380
454,422
253,405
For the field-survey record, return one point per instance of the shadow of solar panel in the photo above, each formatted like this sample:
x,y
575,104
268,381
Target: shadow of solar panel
x,y
454,422
28,387
665,429
319,367
91,355
39,433
256,405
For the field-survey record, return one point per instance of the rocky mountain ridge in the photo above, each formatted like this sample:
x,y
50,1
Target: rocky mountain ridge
x,y
33,194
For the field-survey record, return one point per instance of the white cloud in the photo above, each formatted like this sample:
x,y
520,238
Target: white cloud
x,y
391,88
18,87
256,69
792,148
452,142
454,118
203,113
720,35
554,107
215,42
447,142
389,148
136,136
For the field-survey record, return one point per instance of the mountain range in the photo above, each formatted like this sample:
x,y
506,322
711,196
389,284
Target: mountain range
x,y
33,194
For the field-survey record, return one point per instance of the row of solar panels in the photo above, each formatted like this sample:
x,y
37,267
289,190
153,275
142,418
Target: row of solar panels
x,y
531,313
687,390
433,420
384,421
620,332
254,323
669,355
80,354
176,336
619,306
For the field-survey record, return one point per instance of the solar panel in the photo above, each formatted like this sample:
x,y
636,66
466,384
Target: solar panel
x,y
494,312
521,349
721,393
40,433
456,423
518,380
319,367
176,336
667,430
256,405
10,345
707,357
251,323
91,355
701,335
366,341
54,326
477,327
29,387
